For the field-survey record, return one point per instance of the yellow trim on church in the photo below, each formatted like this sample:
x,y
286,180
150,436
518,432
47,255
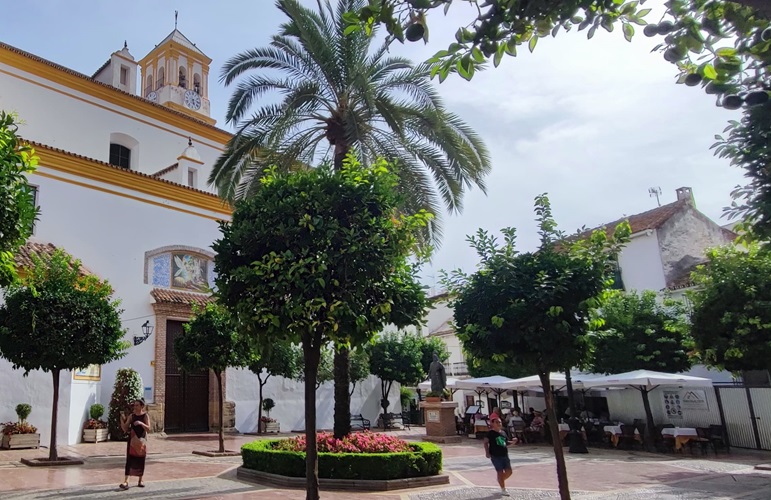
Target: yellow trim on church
x,y
93,170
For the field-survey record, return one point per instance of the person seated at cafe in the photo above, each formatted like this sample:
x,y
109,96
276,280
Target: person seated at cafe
x,y
537,423
529,416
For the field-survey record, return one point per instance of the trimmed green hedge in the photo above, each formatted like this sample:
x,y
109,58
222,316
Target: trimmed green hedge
x,y
424,460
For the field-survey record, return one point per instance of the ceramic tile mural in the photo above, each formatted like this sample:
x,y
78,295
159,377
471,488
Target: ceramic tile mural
x,y
189,272
162,270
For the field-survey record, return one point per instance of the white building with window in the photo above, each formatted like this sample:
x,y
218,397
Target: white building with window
x,y
122,186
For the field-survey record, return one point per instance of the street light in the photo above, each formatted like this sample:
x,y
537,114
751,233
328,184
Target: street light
x,y
147,330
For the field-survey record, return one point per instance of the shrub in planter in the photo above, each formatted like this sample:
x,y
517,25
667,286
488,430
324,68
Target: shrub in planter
x,y
128,388
267,405
26,435
280,457
95,422
22,411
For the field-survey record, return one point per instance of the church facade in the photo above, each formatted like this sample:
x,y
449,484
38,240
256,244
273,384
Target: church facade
x,y
125,155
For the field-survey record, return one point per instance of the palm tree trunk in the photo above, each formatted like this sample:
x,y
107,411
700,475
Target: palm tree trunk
x,y
221,410
559,455
311,353
52,454
342,425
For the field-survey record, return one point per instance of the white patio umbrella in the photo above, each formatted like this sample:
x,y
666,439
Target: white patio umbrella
x,y
497,384
645,381
533,382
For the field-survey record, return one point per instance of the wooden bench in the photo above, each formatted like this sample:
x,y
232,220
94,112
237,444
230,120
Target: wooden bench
x,y
390,418
359,423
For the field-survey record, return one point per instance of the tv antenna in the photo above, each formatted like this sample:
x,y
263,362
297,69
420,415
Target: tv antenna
x,y
655,191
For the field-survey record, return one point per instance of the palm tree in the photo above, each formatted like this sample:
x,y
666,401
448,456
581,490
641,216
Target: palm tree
x,y
323,91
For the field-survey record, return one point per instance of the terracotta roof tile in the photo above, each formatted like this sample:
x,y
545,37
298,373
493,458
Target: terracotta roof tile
x,y
23,256
652,219
683,279
166,296
132,172
166,170
95,82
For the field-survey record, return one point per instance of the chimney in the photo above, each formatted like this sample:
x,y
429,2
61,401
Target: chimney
x,y
685,194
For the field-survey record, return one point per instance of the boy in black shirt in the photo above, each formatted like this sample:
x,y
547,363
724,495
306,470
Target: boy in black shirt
x,y
496,451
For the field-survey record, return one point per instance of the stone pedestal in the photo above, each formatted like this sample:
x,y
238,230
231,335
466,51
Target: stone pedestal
x,y
440,422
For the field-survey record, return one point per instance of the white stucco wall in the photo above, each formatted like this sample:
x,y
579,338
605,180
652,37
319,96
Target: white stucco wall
x,y
640,263
48,108
110,234
289,396
684,239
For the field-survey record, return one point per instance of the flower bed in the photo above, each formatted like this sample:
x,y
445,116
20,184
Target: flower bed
x,y
365,455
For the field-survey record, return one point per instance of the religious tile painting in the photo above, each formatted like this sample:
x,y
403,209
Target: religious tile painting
x,y
189,272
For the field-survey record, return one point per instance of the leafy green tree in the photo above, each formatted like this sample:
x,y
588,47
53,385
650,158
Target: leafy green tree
x,y
722,46
344,94
17,201
211,342
429,346
320,256
126,390
637,332
640,333
531,309
731,320
280,359
59,318
358,367
396,357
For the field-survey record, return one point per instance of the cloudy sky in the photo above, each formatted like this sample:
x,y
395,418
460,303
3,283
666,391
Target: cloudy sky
x,y
594,123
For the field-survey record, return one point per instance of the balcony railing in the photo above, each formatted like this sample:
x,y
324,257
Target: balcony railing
x,y
458,369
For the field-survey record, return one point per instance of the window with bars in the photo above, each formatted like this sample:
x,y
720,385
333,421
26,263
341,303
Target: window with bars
x,y
120,156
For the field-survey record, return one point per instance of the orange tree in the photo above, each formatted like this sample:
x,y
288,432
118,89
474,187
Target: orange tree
x,y
17,207
58,318
533,309
211,342
318,256
722,46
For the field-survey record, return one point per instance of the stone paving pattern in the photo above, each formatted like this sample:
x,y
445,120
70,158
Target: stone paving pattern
x,y
174,472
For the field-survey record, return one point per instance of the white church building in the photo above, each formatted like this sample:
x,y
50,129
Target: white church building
x,y
125,155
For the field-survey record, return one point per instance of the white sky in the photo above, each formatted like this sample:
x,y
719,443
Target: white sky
x,y
594,123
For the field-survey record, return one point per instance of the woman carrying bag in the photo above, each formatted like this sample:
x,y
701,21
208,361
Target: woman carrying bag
x,y
137,424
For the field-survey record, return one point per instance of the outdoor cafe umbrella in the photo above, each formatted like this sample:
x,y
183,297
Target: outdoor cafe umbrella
x,y
645,381
496,384
450,384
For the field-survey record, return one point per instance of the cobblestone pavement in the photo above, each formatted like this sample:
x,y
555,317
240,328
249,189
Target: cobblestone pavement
x,y
603,474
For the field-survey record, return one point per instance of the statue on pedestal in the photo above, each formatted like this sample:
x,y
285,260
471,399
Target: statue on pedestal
x,y
437,375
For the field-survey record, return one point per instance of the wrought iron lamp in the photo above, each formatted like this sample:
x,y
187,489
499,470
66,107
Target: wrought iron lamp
x,y
147,330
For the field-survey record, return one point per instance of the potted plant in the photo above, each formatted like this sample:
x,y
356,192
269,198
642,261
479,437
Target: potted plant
x,y
268,424
95,429
433,397
20,434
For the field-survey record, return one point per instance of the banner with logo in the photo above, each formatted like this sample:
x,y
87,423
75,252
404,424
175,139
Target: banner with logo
x,y
672,404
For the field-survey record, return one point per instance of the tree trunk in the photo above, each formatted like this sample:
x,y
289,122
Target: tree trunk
x,y
353,389
311,354
341,151
259,406
576,438
52,454
342,425
221,408
649,441
562,473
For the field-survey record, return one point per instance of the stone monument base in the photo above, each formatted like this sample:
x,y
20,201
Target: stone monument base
x,y
440,421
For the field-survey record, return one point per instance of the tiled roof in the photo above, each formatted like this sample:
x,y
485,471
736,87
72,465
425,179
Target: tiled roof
x,y
165,296
96,73
23,255
165,171
652,219
178,37
114,89
132,172
683,279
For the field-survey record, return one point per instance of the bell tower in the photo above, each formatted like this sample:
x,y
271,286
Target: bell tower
x,y
176,74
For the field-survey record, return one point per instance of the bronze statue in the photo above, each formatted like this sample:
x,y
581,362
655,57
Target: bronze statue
x,y
437,375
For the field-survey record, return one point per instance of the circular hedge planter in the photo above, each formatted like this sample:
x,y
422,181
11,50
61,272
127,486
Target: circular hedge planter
x,y
425,459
